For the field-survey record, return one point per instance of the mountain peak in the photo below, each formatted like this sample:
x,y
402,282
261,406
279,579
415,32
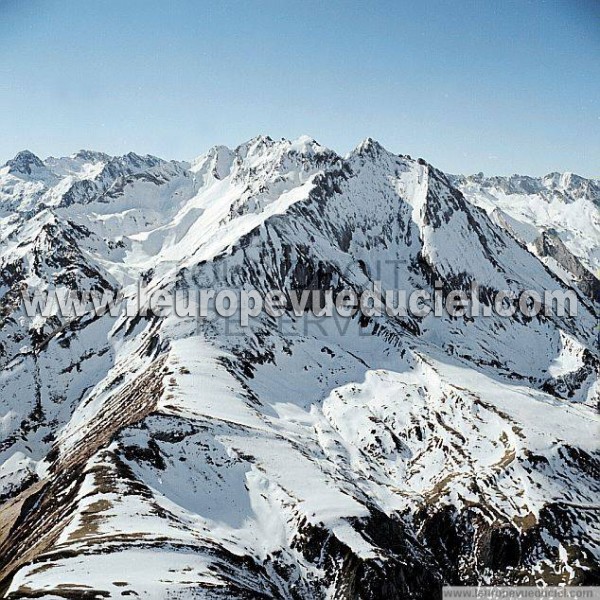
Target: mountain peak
x,y
370,147
91,155
24,163
216,161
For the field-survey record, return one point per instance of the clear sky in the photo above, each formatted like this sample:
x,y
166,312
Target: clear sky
x,y
496,86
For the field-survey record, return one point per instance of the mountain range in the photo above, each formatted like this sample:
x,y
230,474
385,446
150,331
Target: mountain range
x,y
381,457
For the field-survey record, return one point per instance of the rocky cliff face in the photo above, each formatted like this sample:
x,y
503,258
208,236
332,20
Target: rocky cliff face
x,y
301,458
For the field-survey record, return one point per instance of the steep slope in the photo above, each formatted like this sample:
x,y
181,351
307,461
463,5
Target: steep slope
x,y
299,457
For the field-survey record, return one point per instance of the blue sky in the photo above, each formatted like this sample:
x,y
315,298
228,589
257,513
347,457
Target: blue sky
x,y
498,86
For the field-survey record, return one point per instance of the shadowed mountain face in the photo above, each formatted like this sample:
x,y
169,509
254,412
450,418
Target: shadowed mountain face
x,y
382,457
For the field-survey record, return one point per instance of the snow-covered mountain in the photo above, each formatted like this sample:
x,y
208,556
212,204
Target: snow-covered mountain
x,y
556,216
169,457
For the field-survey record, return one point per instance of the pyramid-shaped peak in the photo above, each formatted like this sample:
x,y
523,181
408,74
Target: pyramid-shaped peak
x,y
24,163
370,146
